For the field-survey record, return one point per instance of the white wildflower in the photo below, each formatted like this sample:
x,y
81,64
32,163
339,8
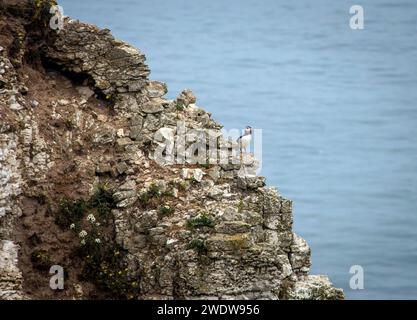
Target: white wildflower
x,y
98,224
91,218
83,234
171,241
97,240
72,226
83,242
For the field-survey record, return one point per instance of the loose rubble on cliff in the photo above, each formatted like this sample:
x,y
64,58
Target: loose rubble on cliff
x,y
78,114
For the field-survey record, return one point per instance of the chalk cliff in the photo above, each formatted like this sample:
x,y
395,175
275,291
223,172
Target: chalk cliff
x,y
81,185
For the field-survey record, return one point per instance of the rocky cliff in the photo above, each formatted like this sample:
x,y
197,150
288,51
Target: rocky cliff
x,y
82,187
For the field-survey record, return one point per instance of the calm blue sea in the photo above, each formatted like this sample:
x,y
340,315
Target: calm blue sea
x,y
338,109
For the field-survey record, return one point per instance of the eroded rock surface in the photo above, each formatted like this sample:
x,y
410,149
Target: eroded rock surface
x,y
61,136
10,275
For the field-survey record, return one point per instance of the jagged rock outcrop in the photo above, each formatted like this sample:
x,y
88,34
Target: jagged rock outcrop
x,y
211,229
10,275
114,66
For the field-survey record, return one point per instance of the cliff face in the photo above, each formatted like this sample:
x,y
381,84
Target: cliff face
x,y
81,187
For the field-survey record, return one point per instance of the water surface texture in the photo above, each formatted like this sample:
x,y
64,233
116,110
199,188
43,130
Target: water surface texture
x,y
338,109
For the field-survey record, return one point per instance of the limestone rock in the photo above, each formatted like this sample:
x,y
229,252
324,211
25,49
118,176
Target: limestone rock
x,y
152,107
114,65
185,98
300,256
315,288
85,92
156,89
10,276
233,227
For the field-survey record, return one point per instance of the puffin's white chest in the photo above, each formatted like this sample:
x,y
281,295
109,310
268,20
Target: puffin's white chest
x,y
246,140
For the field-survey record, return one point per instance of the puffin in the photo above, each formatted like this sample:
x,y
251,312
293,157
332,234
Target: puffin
x,y
246,139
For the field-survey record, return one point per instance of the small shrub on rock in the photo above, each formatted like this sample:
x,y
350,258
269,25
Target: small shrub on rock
x,y
103,201
104,262
70,211
165,211
153,197
198,245
40,260
204,220
153,191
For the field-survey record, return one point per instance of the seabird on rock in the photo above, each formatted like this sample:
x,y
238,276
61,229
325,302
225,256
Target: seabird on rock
x,y
246,139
